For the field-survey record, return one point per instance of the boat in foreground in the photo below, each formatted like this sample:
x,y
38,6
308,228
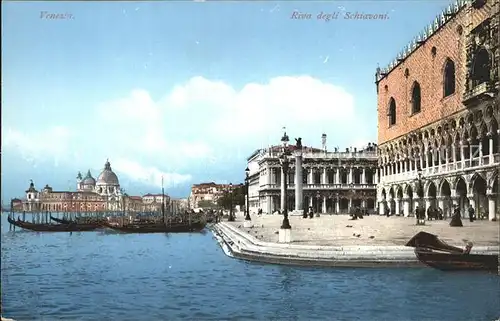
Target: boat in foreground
x,y
159,227
433,252
72,227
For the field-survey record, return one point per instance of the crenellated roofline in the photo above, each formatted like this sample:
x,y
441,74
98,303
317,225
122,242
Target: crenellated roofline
x,y
439,22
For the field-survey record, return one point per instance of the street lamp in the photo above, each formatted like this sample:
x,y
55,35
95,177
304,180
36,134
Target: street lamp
x,y
231,217
247,185
285,163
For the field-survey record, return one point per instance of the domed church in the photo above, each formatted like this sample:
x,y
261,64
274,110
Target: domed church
x,y
107,183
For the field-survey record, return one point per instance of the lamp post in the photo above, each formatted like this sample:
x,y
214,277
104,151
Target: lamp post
x,y
285,163
352,192
231,217
247,185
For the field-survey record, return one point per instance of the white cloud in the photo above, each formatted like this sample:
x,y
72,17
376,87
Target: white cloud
x,y
53,141
197,125
149,175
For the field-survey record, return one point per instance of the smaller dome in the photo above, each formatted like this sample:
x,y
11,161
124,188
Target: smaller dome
x,y
88,180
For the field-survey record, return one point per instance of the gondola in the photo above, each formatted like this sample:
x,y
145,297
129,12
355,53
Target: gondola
x,y
73,227
159,227
82,221
61,220
433,252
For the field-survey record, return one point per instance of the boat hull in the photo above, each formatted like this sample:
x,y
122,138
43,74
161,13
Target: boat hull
x,y
159,228
458,262
73,227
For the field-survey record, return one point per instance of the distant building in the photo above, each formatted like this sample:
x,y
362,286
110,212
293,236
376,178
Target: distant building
x,y
91,195
332,182
210,192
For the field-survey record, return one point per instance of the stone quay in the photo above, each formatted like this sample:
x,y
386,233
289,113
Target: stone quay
x,y
337,241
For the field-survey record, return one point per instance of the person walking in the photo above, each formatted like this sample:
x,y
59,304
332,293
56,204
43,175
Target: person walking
x,y
471,213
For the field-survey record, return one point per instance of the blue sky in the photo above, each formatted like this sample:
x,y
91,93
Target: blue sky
x,y
186,90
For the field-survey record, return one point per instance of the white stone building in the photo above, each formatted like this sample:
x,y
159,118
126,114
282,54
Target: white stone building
x,y
329,182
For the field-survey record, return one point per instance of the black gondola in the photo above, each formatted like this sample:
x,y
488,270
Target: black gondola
x,y
73,227
159,227
433,252
61,220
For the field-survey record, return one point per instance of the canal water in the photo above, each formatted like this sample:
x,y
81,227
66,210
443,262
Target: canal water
x,y
108,276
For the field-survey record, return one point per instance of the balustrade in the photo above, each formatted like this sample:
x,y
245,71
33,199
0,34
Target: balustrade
x,y
470,164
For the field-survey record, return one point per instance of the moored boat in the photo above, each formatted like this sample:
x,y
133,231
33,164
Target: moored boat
x,y
159,227
61,220
433,252
72,227
458,262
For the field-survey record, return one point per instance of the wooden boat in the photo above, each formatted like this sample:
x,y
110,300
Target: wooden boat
x,y
159,227
458,262
433,252
73,227
98,222
61,220
164,226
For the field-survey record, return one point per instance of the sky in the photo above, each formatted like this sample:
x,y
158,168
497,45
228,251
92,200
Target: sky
x,y
186,90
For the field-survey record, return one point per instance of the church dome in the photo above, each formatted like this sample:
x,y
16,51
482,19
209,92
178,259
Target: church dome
x,y
107,176
88,180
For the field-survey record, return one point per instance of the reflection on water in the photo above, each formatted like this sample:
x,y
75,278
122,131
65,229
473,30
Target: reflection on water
x,y
109,276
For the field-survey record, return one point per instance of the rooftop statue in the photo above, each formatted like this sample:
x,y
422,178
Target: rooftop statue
x,y
298,142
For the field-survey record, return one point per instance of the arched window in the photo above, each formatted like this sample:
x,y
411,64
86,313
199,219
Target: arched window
x,y
415,98
392,112
481,67
449,78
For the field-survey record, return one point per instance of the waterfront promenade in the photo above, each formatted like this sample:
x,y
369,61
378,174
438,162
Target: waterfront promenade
x,y
337,241
394,230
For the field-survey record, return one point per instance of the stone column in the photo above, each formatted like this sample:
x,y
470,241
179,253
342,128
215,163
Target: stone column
x,y
480,153
323,207
363,176
404,166
375,179
462,157
491,149
382,206
396,210
349,177
428,203
491,207
299,188
454,152
324,179
282,191
350,203
310,201
440,200
406,207
269,204
337,206
363,203
310,176
337,175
